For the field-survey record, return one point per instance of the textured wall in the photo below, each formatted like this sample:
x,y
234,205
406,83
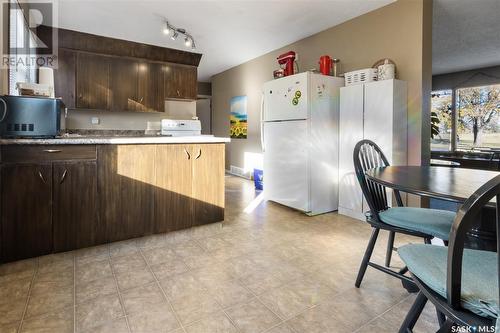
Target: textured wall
x,y
472,78
400,31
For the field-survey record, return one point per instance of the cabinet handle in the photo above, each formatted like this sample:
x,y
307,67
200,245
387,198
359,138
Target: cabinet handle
x,y
63,177
187,153
178,93
52,150
41,176
199,154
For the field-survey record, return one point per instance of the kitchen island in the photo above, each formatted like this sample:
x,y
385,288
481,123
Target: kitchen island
x,y
69,193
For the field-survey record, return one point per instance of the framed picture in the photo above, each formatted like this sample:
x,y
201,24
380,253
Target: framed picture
x,y
238,117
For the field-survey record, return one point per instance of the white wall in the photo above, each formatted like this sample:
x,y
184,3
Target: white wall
x,y
399,31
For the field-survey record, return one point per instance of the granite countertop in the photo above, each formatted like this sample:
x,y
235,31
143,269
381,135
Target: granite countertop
x,y
97,140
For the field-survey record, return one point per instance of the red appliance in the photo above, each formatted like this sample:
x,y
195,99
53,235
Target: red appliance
x,y
325,65
286,61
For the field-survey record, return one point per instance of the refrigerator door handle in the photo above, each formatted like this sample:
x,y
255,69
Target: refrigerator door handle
x,y
262,141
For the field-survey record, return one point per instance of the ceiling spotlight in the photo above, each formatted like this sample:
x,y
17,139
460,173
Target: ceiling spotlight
x,y
174,33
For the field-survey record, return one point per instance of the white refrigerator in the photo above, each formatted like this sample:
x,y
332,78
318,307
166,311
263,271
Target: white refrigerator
x,y
299,138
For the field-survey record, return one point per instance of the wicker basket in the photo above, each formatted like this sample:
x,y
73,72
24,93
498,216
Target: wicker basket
x,y
361,76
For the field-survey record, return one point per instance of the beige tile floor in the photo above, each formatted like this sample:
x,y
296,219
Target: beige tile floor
x,y
269,270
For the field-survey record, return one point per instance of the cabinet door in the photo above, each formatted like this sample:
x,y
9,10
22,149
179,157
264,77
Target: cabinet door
x,y
151,87
26,210
379,104
188,82
126,186
181,82
173,202
350,133
75,217
123,84
64,77
92,82
208,183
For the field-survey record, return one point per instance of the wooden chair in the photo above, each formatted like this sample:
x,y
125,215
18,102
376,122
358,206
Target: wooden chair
x,y
420,222
461,283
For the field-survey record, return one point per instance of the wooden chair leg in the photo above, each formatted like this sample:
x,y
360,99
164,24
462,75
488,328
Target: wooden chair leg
x,y
390,248
413,314
367,256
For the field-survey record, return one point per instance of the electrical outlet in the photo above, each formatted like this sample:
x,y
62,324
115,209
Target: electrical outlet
x,y
95,120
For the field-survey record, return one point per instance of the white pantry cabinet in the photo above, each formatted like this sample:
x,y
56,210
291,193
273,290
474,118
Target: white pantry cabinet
x,y
375,111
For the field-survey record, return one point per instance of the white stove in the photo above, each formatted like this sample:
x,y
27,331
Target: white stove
x,y
173,127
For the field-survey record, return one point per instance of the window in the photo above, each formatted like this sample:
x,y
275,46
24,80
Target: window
x,y
474,118
18,33
441,120
478,118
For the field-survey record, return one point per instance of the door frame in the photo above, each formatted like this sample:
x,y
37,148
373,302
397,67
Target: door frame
x,y
209,97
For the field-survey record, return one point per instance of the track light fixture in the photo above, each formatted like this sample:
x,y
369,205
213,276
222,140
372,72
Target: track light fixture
x,y
166,29
174,32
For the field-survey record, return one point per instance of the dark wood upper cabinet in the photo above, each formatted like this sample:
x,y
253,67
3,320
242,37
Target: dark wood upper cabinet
x,y
64,77
75,209
181,82
76,40
151,87
93,81
101,73
26,210
123,84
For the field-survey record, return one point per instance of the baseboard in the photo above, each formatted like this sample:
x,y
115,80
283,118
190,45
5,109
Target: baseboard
x,y
239,172
351,213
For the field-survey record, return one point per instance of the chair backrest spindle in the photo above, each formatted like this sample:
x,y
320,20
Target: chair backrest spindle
x,y
367,155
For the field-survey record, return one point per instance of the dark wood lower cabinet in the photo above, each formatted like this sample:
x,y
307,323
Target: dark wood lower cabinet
x,y
208,183
173,202
126,176
189,185
51,202
26,210
75,210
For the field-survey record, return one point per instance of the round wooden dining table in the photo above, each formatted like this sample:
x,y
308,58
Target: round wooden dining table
x,y
445,183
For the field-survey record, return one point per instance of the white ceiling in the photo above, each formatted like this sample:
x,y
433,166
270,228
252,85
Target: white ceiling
x,y
466,35
227,33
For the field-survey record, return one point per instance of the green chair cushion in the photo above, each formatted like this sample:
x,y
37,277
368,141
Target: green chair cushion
x,y
479,275
434,222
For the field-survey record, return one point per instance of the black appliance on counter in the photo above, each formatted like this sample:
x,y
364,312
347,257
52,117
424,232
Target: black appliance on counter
x,y
30,117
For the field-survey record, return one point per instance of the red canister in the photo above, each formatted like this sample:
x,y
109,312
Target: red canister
x,y
325,65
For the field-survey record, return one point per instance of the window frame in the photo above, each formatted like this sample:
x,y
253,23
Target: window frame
x,y
31,74
454,112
